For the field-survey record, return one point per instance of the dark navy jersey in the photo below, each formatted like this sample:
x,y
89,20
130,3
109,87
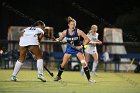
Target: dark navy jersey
x,y
73,39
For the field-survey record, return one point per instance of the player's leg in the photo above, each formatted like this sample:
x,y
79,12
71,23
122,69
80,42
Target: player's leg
x,y
85,66
19,63
39,57
87,57
95,63
61,67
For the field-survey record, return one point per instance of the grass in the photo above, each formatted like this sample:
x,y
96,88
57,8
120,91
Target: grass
x,y
72,82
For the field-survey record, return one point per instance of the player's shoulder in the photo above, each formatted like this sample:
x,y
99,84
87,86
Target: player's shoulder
x,y
39,30
27,28
64,31
79,30
97,34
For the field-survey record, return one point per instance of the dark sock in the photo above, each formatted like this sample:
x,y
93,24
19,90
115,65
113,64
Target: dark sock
x,y
60,71
86,70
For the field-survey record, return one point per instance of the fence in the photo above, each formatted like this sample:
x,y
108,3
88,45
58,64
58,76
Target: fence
x,y
53,55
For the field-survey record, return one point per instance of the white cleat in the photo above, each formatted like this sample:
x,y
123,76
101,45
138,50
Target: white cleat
x,y
41,77
13,78
92,81
57,78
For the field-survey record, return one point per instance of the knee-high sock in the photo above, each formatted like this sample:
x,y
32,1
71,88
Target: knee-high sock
x,y
40,66
87,72
17,68
60,71
82,69
95,63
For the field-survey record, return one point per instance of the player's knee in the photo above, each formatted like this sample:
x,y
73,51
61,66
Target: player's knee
x,y
39,57
84,63
21,60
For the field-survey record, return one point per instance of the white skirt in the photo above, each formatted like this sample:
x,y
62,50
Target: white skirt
x,y
91,50
26,41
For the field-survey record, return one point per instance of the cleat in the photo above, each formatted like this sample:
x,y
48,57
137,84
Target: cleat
x,y
41,77
13,78
57,78
92,81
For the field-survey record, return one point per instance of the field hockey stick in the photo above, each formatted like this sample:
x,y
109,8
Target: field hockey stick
x,y
129,66
48,71
43,66
65,42
95,43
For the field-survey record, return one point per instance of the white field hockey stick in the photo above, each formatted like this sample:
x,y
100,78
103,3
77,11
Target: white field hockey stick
x,y
95,43
129,66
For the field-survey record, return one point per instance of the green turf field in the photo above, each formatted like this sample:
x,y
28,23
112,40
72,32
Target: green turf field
x,y
72,82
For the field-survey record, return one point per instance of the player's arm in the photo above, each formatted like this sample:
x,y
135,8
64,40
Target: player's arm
x,y
100,42
61,37
86,39
95,42
40,34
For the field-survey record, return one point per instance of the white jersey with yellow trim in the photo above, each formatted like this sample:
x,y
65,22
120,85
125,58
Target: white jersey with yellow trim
x,y
30,36
91,49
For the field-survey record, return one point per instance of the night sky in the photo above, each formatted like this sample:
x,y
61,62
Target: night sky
x,y
104,13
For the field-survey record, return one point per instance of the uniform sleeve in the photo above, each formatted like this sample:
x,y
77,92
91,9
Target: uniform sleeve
x,y
39,31
97,35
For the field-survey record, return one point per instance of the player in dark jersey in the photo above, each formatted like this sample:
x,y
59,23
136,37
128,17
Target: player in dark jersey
x,y
72,35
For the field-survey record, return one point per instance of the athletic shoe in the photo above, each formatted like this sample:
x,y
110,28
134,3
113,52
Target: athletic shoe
x,y
91,81
57,78
41,77
13,78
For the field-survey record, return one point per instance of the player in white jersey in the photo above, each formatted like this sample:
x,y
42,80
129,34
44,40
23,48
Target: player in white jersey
x,y
91,48
30,36
29,41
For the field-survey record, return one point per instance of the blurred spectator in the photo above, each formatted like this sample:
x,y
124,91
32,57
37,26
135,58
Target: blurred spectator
x,y
1,52
116,60
106,59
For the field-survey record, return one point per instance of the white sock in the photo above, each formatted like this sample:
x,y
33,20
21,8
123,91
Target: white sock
x,y
40,66
17,68
82,69
95,63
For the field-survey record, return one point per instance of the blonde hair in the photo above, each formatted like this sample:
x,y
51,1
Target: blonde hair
x,y
70,19
93,26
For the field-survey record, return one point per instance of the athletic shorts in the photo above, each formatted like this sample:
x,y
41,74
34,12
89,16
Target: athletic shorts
x,y
91,50
70,50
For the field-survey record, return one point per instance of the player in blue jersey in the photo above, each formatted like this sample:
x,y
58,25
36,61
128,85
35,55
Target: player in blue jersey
x,y
72,35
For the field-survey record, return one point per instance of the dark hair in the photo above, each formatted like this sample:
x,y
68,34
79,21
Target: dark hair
x,y
37,23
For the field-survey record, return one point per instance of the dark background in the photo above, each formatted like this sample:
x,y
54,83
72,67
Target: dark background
x,y
123,14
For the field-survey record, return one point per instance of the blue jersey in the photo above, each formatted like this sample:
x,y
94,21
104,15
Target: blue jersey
x,y
74,40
